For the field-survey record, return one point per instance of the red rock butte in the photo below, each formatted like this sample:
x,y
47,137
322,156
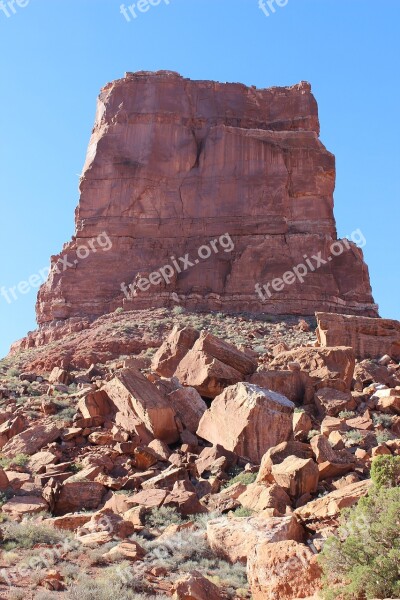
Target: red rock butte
x,y
173,164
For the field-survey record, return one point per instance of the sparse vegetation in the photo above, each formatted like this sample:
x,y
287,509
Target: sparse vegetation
x,y
243,512
242,477
347,414
353,436
312,433
160,518
384,436
27,534
384,420
20,460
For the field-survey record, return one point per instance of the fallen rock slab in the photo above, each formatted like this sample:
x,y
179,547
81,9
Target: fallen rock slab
x,y
247,420
77,495
233,538
331,504
286,570
133,395
172,351
33,439
333,364
369,337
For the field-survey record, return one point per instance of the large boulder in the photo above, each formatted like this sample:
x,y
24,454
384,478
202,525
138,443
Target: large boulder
x,y
259,497
297,476
247,420
286,570
171,352
188,405
277,454
77,495
212,365
34,438
369,337
333,366
133,395
10,428
233,538
330,402
4,481
208,375
95,404
297,386
194,586
331,504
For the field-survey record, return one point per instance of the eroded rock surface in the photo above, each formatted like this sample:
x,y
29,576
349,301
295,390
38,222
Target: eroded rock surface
x,y
174,164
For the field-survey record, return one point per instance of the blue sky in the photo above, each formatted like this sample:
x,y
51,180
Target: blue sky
x,y
56,54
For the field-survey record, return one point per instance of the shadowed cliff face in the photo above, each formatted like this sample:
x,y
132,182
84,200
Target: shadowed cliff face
x,y
174,166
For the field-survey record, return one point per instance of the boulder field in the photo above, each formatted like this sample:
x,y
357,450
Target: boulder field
x,y
200,452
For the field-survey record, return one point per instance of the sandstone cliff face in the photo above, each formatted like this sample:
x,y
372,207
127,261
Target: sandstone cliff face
x,y
173,164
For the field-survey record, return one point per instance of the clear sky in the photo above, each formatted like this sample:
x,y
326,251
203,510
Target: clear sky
x,y
56,54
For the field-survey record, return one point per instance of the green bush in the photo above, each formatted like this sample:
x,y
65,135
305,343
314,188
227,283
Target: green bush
x,y
19,460
385,471
362,562
241,511
242,477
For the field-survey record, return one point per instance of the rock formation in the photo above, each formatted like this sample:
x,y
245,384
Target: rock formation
x,y
227,185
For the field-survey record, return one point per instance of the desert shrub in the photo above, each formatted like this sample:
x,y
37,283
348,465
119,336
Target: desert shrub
x,y
121,581
242,477
384,436
17,594
241,511
385,471
353,436
298,409
347,414
312,433
76,467
160,518
178,310
45,595
13,372
27,534
20,460
362,561
118,310
65,414
384,420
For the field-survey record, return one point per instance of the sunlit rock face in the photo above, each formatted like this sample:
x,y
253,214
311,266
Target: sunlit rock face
x,y
226,185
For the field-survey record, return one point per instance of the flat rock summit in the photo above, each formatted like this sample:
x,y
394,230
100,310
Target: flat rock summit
x,y
226,185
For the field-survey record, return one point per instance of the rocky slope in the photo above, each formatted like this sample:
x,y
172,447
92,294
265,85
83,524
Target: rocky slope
x,y
201,469
176,165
